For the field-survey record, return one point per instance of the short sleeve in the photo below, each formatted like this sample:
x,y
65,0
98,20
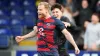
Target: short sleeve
x,y
59,24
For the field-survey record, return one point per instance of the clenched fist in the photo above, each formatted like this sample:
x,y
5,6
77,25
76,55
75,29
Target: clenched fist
x,y
77,51
19,38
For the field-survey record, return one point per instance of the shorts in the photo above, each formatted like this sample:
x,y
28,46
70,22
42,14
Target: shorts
x,y
53,52
62,51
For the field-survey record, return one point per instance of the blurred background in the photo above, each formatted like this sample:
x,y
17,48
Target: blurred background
x,y
18,17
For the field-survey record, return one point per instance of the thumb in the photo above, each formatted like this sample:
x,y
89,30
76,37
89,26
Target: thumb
x,y
18,37
77,51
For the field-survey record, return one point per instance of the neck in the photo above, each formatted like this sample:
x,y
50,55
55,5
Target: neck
x,y
47,16
95,22
59,17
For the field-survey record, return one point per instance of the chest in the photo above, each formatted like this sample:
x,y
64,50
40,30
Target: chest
x,y
46,25
93,29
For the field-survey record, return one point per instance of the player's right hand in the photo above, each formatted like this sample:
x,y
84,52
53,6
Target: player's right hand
x,y
77,51
19,38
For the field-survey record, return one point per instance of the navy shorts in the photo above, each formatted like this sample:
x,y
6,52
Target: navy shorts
x,y
53,52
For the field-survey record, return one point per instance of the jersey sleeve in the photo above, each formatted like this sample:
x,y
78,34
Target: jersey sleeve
x,y
59,24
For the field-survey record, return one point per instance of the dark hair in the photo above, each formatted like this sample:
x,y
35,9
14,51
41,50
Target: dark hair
x,y
56,6
96,14
85,0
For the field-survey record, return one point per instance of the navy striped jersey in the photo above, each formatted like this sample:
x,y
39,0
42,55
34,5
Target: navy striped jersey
x,y
46,33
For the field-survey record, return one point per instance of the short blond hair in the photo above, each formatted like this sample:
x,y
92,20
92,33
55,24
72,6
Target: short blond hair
x,y
46,5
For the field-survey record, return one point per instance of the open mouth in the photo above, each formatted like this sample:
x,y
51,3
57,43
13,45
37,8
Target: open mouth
x,y
39,14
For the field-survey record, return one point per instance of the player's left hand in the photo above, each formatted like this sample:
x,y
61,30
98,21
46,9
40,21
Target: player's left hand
x,y
67,24
77,51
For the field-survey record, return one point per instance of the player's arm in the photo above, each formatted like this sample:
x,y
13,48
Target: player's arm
x,y
66,21
31,34
66,24
71,40
68,36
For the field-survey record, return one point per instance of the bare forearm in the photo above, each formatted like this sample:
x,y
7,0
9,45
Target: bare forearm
x,y
69,38
31,34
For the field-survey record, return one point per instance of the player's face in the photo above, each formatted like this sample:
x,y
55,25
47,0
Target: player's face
x,y
94,19
41,11
56,12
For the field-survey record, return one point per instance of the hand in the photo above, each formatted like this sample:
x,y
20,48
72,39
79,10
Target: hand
x,y
77,51
86,23
85,47
19,38
94,47
75,14
66,24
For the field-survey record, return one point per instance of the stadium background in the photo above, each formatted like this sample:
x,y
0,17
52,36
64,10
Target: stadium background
x,y
17,17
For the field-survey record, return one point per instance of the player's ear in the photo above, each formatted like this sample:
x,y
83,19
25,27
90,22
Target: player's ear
x,y
62,9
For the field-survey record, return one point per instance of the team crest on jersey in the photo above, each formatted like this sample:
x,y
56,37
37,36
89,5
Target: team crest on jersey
x,y
41,29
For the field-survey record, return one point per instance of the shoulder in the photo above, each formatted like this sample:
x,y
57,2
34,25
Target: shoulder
x,y
55,19
64,18
99,24
89,24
